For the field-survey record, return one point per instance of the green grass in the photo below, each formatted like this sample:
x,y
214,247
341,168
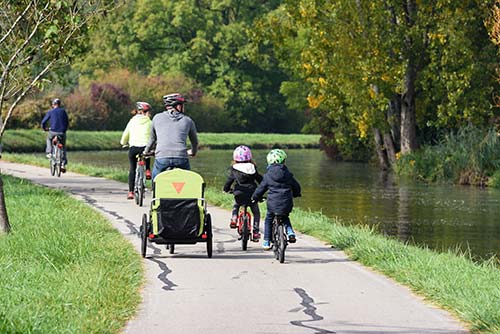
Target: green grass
x,y
469,289
69,272
34,140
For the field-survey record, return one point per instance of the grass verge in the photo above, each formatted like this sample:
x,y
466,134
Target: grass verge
x,y
469,289
69,272
34,140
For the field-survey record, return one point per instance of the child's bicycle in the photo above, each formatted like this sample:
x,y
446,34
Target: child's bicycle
x,y
279,239
140,178
244,225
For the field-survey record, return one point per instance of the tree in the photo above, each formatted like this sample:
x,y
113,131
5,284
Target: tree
x,y
396,69
36,37
204,40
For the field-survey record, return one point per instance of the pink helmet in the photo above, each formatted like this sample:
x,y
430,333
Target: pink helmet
x,y
242,153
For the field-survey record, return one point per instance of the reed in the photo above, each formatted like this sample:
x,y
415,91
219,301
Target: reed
x,y
469,156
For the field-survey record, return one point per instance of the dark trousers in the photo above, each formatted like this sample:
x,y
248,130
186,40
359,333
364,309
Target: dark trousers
x,y
132,153
268,225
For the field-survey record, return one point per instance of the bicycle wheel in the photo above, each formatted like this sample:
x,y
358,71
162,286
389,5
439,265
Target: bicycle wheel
x,y
275,238
208,230
52,162
281,243
141,191
58,161
144,234
136,186
245,233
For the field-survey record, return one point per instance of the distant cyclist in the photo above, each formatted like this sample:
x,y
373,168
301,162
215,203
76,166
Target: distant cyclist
x,y
136,135
169,132
58,120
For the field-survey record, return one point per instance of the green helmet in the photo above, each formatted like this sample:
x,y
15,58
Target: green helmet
x,y
276,156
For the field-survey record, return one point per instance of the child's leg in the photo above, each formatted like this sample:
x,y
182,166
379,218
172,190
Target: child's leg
x,y
268,226
234,215
236,209
256,216
289,230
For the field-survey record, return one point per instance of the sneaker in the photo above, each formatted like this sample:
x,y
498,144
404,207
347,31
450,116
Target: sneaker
x,y
233,224
130,195
255,236
266,245
49,155
148,174
291,235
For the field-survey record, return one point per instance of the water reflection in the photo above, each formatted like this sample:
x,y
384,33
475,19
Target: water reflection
x,y
441,217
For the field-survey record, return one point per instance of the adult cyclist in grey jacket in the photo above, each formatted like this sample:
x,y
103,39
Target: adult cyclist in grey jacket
x,y
169,132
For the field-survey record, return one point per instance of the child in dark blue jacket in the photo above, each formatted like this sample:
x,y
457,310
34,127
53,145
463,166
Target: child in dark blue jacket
x,y
283,187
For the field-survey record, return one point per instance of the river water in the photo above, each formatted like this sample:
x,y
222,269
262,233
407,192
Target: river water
x,y
438,216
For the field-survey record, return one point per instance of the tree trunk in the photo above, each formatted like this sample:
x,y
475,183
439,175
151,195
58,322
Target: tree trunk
x,y
4,219
394,119
390,150
408,117
379,147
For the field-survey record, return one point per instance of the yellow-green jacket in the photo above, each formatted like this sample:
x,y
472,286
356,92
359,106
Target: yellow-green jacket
x,y
137,131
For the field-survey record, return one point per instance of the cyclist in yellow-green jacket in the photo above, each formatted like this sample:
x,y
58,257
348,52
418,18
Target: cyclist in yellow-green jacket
x,y
136,135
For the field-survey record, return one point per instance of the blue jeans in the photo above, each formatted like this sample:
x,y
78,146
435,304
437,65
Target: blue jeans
x,y
268,225
161,164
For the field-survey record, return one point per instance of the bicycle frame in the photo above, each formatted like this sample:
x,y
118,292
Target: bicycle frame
x,y
140,179
244,222
56,159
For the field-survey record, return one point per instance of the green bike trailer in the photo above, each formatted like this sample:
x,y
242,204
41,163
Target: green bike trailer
x,y
178,212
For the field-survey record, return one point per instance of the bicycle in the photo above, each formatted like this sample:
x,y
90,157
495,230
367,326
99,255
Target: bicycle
x,y
244,226
279,239
140,178
56,157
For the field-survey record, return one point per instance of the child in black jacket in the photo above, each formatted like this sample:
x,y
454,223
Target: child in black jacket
x,y
244,174
282,188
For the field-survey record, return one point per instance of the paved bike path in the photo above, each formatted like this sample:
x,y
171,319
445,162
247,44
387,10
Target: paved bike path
x,y
317,289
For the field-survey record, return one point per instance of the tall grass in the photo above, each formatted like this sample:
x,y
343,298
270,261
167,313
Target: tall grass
x,y
64,268
469,156
467,288
34,140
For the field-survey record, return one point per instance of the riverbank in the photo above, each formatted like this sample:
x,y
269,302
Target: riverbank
x,y
19,141
468,157
63,268
466,288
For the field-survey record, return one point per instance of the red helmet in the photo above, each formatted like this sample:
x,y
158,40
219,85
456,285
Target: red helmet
x,y
144,106
171,100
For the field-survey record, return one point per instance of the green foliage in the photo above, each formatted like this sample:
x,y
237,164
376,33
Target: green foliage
x,y
352,58
468,156
36,38
207,42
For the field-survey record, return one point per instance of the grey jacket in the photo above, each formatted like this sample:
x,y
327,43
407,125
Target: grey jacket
x,y
169,132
